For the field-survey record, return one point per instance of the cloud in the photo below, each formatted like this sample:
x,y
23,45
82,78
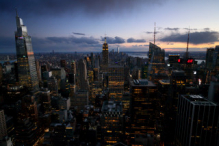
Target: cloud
x,y
172,29
7,44
89,7
78,33
71,40
206,29
132,40
151,32
170,43
190,29
115,40
194,37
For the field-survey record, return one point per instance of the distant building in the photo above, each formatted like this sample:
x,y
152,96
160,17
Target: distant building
x,y
216,59
116,82
80,99
156,54
197,121
105,56
27,73
210,58
156,60
63,63
82,72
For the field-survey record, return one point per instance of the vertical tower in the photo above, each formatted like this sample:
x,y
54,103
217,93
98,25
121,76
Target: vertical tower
x,y
105,54
82,70
27,74
187,49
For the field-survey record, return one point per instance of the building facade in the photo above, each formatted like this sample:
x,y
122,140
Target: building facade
x,y
197,121
27,73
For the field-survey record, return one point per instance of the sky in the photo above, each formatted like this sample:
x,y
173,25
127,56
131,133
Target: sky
x,y
81,25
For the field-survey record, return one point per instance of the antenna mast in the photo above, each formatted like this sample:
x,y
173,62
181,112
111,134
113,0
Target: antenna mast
x,y
187,53
154,31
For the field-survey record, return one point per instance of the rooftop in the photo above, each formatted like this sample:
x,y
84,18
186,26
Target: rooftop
x,y
112,106
142,82
199,100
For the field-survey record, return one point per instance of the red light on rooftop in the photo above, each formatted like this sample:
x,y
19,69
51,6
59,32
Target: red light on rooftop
x,y
190,61
179,60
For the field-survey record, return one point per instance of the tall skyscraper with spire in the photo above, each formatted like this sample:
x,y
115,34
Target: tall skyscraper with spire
x,y
27,74
105,54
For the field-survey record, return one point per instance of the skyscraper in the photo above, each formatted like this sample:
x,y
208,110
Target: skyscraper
x,y
105,55
82,71
116,82
197,120
27,74
210,58
143,107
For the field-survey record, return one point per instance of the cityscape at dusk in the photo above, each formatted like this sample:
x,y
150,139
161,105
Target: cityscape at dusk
x,y
82,25
109,73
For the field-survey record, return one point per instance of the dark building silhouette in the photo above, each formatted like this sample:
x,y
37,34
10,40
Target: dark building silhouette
x,y
197,120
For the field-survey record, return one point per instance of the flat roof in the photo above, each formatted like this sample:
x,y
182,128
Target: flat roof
x,y
199,100
149,84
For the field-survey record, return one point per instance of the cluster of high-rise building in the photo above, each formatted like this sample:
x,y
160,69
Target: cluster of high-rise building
x,y
108,98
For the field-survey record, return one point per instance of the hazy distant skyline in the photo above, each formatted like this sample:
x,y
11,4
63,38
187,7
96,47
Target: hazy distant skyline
x,y
72,25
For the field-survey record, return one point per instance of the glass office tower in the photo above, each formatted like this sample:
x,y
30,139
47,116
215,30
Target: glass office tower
x,y
27,74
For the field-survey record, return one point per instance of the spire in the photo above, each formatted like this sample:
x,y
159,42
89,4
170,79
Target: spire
x,y
105,40
154,31
16,12
187,53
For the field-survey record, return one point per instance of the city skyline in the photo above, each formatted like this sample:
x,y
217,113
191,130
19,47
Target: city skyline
x,y
81,26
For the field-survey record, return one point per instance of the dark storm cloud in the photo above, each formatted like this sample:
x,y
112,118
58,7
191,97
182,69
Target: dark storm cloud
x,y
194,38
115,40
57,7
174,29
78,33
132,40
7,44
72,40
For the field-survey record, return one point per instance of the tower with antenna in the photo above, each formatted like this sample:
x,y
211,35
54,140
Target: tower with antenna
x,y
154,31
187,49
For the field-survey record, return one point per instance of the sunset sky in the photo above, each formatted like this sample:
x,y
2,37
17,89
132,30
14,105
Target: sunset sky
x,y
81,25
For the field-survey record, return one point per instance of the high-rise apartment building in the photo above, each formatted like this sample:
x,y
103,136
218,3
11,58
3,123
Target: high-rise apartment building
x,y
27,74
197,121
